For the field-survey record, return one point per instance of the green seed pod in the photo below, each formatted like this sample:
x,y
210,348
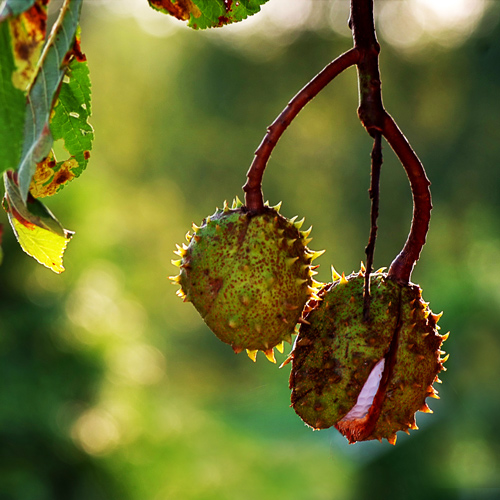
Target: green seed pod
x,y
249,276
367,378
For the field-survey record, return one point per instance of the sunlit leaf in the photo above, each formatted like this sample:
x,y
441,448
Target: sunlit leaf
x,y
69,122
10,8
55,58
202,14
28,31
38,232
44,246
12,106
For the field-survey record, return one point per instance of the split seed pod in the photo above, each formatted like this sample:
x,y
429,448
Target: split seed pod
x,y
366,378
249,276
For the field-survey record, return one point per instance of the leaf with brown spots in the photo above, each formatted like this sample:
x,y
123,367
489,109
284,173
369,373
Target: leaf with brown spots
x,y
202,14
69,123
182,9
9,8
56,56
51,176
28,32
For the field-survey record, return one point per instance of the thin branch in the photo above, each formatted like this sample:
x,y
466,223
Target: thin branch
x,y
374,192
375,119
254,200
402,266
377,122
371,110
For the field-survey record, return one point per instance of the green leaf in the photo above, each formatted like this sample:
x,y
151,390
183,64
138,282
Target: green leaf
x,y
38,232
203,14
10,8
1,251
71,114
12,106
69,122
41,97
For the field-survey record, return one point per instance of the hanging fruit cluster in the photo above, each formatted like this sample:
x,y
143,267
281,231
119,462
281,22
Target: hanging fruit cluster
x,y
367,351
250,278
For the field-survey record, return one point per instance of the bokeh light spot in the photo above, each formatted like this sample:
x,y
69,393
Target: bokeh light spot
x,y
96,432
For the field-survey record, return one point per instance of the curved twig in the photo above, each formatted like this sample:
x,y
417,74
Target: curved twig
x,y
375,119
402,266
254,200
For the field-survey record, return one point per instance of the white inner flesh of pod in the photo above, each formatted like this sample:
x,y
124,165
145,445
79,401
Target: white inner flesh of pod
x,y
367,394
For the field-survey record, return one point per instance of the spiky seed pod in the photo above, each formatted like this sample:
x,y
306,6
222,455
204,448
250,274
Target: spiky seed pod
x,y
368,379
249,276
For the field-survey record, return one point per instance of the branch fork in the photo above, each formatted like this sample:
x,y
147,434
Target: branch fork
x,y
377,122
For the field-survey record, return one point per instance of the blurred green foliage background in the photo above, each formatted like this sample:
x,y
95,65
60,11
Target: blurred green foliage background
x,y
112,388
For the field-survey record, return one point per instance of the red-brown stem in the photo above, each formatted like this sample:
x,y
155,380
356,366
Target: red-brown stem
x,y
371,110
402,266
254,200
371,114
375,197
374,117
